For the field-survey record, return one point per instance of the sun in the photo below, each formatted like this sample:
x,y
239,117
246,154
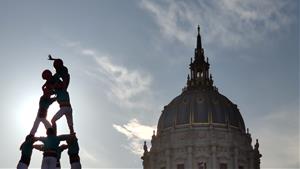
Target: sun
x,y
27,113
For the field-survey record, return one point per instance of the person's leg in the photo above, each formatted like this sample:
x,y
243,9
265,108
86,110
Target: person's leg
x,y
57,116
35,125
57,165
76,165
52,162
22,166
46,123
44,163
69,117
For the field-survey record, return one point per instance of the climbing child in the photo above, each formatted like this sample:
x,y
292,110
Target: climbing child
x,y
44,103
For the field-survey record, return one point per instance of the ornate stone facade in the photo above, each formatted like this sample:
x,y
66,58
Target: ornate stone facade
x,y
201,128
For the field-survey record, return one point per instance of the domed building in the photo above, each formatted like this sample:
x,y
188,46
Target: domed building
x,y
201,128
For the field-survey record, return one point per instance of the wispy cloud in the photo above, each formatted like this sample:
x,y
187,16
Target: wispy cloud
x,y
126,87
224,22
87,156
136,133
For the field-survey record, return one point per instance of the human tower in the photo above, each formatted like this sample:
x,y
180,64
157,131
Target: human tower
x,y
54,89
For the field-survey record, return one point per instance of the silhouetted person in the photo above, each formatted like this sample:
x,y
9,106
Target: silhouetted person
x,y
62,94
44,103
26,149
73,151
61,73
60,149
52,82
63,99
51,143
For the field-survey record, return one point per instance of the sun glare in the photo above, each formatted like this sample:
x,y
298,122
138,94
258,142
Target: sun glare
x,y
27,113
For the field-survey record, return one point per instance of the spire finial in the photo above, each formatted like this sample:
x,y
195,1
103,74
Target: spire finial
x,y
199,76
199,44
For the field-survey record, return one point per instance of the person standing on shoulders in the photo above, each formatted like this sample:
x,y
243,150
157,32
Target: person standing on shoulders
x,y
44,103
63,78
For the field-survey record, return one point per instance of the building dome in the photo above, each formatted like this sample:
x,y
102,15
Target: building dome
x,y
200,108
201,128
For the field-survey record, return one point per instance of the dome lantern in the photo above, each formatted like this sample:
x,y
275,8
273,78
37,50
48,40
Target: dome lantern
x,y
199,69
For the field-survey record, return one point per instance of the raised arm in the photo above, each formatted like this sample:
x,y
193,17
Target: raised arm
x,y
50,57
42,139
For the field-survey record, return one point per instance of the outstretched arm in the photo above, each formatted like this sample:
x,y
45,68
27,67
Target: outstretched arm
x,y
44,86
42,139
39,147
63,147
63,137
53,99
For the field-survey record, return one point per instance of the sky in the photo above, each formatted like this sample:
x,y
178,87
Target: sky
x,y
129,58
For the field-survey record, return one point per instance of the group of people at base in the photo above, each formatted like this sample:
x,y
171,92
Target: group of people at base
x,y
54,89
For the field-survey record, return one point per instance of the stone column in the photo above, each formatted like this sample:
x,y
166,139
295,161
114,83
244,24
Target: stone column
x,y
190,157
213,157
168,157
152,161
236,155
251,166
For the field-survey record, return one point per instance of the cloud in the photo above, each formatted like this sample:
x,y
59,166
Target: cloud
x,y
71,44
87,156
129,88
126,87
88,52
136,133
224,22
278,134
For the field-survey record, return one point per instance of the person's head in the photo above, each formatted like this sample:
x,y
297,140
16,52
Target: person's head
x,y
58,63
46,75
50,131
29,139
